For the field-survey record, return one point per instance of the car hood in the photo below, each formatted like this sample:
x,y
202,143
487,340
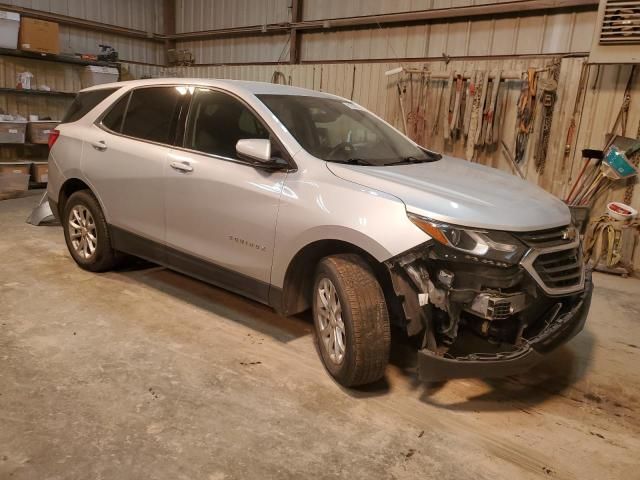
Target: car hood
x,y
463,193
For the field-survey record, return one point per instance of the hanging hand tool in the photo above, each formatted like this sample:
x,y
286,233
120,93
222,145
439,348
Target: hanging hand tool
x,y
512,161
402,111
489,138
549,87
419,123
577,107
468,104
526,112
456,106
479,140
447,106
438,108
475,116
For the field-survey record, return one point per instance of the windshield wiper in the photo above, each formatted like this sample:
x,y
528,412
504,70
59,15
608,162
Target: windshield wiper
x,y
409,160
352,161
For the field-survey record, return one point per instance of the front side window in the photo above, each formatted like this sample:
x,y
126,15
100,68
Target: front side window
x,y
151,113
217,121
341,131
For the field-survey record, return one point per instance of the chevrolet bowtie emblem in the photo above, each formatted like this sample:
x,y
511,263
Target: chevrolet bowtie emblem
x,y
569,234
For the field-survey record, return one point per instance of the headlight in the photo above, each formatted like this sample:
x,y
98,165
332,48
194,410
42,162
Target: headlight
x,y
489,244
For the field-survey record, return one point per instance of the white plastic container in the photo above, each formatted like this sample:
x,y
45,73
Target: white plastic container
x,y
95,75
9,28
621,211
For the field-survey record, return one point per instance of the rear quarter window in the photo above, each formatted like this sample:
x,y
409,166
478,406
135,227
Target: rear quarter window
x,y
84,103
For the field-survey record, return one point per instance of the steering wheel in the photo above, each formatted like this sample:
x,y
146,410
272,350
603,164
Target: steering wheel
x,y
341,147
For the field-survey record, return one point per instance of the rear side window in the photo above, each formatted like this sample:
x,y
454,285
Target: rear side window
x,y
151,113
113,119
85,102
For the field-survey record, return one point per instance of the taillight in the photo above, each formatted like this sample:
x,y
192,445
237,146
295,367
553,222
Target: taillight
x,y
53,136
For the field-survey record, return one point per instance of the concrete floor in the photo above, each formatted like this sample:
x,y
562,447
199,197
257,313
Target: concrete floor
x,y
145,373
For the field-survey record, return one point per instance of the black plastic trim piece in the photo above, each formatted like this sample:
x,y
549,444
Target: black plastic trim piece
x,y
133,244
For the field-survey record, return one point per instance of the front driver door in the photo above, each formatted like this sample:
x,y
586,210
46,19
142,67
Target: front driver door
x,y
221,211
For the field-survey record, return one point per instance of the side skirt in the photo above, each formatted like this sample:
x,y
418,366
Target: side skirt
x,y
190,265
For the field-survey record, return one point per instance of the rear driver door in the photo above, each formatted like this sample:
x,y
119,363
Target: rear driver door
x,y
124,159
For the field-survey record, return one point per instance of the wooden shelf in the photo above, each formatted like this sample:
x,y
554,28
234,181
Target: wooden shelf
x,y
25,144
51,93
55,58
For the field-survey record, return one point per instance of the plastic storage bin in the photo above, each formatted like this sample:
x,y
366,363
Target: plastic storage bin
x,y
38,131
12,132
9,28
95,75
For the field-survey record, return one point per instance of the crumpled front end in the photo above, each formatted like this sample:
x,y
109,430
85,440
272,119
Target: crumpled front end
x,y
477,316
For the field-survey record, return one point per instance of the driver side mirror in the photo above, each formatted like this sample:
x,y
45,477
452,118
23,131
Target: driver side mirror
x,y
254,150
258,152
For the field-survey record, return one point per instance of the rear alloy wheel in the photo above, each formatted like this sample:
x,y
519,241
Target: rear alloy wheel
x,y
87,234
83,232
351,320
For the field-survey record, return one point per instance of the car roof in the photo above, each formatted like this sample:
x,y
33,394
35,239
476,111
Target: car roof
x,y
237,86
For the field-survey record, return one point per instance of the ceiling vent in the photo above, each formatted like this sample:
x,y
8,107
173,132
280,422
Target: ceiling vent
x,y
617,35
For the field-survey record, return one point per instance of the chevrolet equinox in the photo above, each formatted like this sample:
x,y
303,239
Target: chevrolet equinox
x,y
300,199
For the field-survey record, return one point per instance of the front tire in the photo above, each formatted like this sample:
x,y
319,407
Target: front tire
x,y
351,320
87,234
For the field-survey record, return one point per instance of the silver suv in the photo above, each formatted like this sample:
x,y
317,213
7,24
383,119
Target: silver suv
x,y
300,199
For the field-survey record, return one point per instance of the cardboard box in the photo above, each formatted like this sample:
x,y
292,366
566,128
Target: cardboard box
x,y
9,26
39,36
9,168
13,184
40,172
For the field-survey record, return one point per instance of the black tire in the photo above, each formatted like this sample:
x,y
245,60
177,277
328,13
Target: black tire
x,y
104,257
365,317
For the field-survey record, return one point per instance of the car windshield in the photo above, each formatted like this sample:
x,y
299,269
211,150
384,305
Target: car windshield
x,y
341,131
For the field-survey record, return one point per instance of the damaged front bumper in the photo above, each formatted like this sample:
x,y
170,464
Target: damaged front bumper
x,y
558,330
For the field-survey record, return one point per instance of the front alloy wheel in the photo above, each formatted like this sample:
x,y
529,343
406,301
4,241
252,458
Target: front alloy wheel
x,y
351,320
331,327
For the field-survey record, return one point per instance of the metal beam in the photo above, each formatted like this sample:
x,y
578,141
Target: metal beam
x,y
169,24
294,36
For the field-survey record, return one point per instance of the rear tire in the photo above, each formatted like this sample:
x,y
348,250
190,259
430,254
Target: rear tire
x,y
87,234
351,320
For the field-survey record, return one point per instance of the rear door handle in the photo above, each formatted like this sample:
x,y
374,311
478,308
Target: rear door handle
x,y
182,167
100,145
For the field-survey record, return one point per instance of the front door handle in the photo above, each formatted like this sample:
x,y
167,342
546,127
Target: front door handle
x,y
100,145
182,167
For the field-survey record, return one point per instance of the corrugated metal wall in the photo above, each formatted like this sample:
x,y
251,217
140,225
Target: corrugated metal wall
x,y
529,34
139,14
197,15
321,9
143,15
536,34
